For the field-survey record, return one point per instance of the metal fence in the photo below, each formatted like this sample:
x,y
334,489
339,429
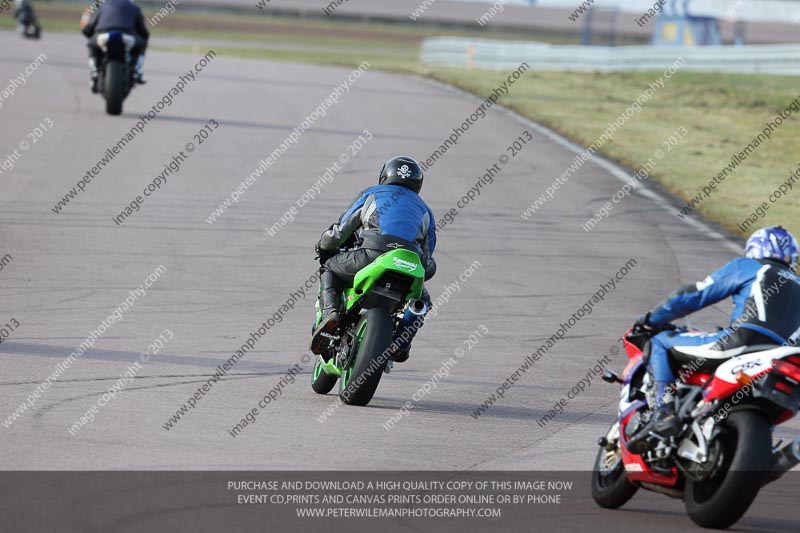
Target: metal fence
x,y
502,55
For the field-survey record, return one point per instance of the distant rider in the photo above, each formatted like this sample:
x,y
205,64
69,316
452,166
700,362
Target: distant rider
x,y
123,16
382,218
766,299
26,18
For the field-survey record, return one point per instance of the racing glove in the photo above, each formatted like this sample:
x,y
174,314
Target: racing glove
x,y
643,324
323,255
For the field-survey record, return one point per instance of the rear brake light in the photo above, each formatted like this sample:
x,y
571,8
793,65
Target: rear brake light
x,y
784,367
783,387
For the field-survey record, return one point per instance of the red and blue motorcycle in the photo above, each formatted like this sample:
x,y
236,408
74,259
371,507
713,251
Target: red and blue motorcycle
x,y
724,453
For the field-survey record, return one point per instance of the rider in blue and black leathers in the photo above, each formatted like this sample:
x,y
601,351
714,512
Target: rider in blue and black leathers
x,y
123,16
384,217
766,299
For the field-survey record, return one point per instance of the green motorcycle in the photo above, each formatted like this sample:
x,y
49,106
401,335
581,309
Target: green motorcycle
x,y
382,308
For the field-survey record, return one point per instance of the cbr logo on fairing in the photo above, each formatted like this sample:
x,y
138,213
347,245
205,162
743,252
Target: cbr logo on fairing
x,y
749,365
402,263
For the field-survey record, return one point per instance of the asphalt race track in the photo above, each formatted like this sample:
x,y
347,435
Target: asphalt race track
x,y
70,271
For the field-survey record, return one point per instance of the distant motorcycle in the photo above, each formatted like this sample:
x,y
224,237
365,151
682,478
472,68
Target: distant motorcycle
x,y
115,73
27,22
724,453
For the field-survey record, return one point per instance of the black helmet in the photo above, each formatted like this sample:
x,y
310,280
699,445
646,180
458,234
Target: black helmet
x,y
402,170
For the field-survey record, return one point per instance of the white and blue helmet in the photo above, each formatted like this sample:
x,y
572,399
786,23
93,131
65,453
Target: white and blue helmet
x,y
772,243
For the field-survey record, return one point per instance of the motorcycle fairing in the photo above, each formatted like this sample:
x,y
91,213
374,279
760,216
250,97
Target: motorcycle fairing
x,y
400,261
753,365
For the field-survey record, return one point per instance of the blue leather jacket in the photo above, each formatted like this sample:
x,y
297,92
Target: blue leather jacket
x,y
385,213
765,293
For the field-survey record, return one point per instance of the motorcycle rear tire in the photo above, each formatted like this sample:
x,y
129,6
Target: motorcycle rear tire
x,y
721,501
115,87
371,358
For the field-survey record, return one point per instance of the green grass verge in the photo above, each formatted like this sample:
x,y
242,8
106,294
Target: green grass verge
x,y
722,113
407,63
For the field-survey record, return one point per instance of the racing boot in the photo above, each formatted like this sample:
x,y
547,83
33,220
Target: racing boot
x,y
401,355
330,295
93,72
664,422
138,72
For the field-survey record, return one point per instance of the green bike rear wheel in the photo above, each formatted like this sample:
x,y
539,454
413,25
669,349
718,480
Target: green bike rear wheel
x,y
374,336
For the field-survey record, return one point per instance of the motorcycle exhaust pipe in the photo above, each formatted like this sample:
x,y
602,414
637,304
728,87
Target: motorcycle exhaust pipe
x,y
784,460
413,317
414,309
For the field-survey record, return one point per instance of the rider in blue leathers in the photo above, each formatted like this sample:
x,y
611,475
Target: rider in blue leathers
x,y
384,217
119,15
766,298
